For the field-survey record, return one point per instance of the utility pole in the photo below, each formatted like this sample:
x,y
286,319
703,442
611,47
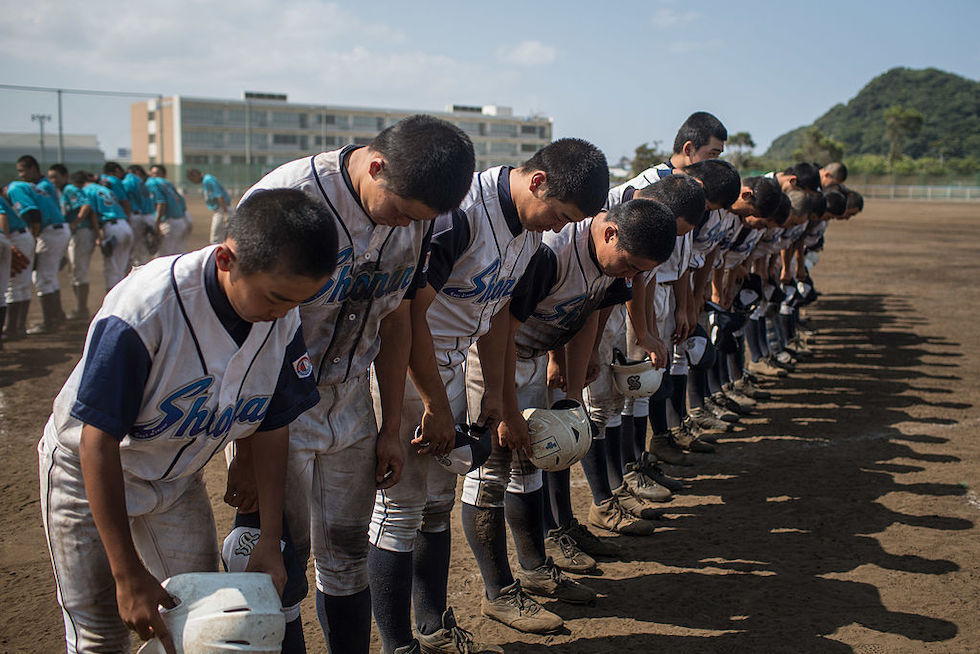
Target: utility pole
x,y
61,133
41,119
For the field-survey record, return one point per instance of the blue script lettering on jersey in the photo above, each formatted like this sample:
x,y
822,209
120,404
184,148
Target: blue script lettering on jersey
x,y
484,286
350,284
710,235
198,417
566,313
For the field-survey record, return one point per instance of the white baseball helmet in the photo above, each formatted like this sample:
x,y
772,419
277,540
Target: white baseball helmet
x,y
220,612
635,378
560,436
470,451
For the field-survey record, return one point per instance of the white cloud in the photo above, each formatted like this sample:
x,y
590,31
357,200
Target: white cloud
x,y
527,53
668,18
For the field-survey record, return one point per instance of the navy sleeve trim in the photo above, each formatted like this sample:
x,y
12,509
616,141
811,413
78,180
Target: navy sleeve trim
x,y
294,394
535,284
420,278
450,239
114,376
617,293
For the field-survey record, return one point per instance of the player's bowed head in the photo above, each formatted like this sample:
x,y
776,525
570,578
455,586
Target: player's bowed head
x,y
281,248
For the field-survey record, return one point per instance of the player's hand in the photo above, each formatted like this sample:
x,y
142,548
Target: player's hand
x,y
18,261
556,376
438,433
491,411
266,557
240,490
681,326
390,459
512,433
656,349
137,597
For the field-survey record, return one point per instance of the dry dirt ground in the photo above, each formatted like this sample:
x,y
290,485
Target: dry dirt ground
x,y
841,518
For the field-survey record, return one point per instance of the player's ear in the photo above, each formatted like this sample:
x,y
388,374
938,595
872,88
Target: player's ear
x,y
376,165
689,149
538,180
224,256
610,232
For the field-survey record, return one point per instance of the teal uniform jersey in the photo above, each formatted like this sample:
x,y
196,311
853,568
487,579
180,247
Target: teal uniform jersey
x,y
72,201
213,190
25,197
103,201
115,185
45,185
163,192
13,218
139,198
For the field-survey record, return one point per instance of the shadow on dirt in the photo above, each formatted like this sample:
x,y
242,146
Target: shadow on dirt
x,y
764,557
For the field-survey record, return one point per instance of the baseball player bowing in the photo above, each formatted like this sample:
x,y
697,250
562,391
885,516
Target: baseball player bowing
x,y
186,354
577,272
478,252
382,198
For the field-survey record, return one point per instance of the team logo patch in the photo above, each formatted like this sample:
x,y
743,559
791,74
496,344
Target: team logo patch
x,y
303,366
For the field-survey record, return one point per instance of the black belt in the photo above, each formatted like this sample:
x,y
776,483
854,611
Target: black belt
x,y
18,231
58,226
112,222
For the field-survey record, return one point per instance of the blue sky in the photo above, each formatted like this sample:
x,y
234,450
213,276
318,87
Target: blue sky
x,y
618,74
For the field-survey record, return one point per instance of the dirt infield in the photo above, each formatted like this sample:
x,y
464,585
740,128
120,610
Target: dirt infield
x,y
841,518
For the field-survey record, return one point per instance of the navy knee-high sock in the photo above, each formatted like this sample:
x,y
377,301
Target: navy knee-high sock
x,y
596,473
430,578
697,387
737,363
724,371
658,416
627,442
614,457
294,642
524,512
715,376
752,337
346,621
391,595
558,499
487,536
639,434
678,398
763,337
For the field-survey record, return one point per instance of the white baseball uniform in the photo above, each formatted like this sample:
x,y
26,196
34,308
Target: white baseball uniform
x,y
330,480
174,374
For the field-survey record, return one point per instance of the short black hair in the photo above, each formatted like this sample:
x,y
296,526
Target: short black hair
x,y
28,160
427,159
799,201
79,178
681,194
807,175
818,204
163,169
698,129
59,168
720,179
284,230
577,173
781,213
855,200
836,202
646,228
766,194
137,169
837,170
111,167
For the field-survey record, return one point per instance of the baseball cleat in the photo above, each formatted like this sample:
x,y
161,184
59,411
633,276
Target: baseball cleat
x,y
547,580
611,516
518,610
452,639
567,554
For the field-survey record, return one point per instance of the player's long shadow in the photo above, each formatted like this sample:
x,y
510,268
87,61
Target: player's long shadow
x,y
35,356
799,495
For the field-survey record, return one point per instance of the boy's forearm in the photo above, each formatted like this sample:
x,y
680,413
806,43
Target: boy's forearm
x,y
391,366
106,492
269,450
578,353
422,365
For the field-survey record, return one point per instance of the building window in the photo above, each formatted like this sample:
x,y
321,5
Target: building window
x,y
151,115
503,129
361,140
325,140
529,129
202,116
510,149
472,128
283,119
153,138
237,159
285,139
196,159
529,147
368,123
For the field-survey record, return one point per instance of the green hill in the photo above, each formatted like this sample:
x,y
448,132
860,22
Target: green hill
x,y
949,103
